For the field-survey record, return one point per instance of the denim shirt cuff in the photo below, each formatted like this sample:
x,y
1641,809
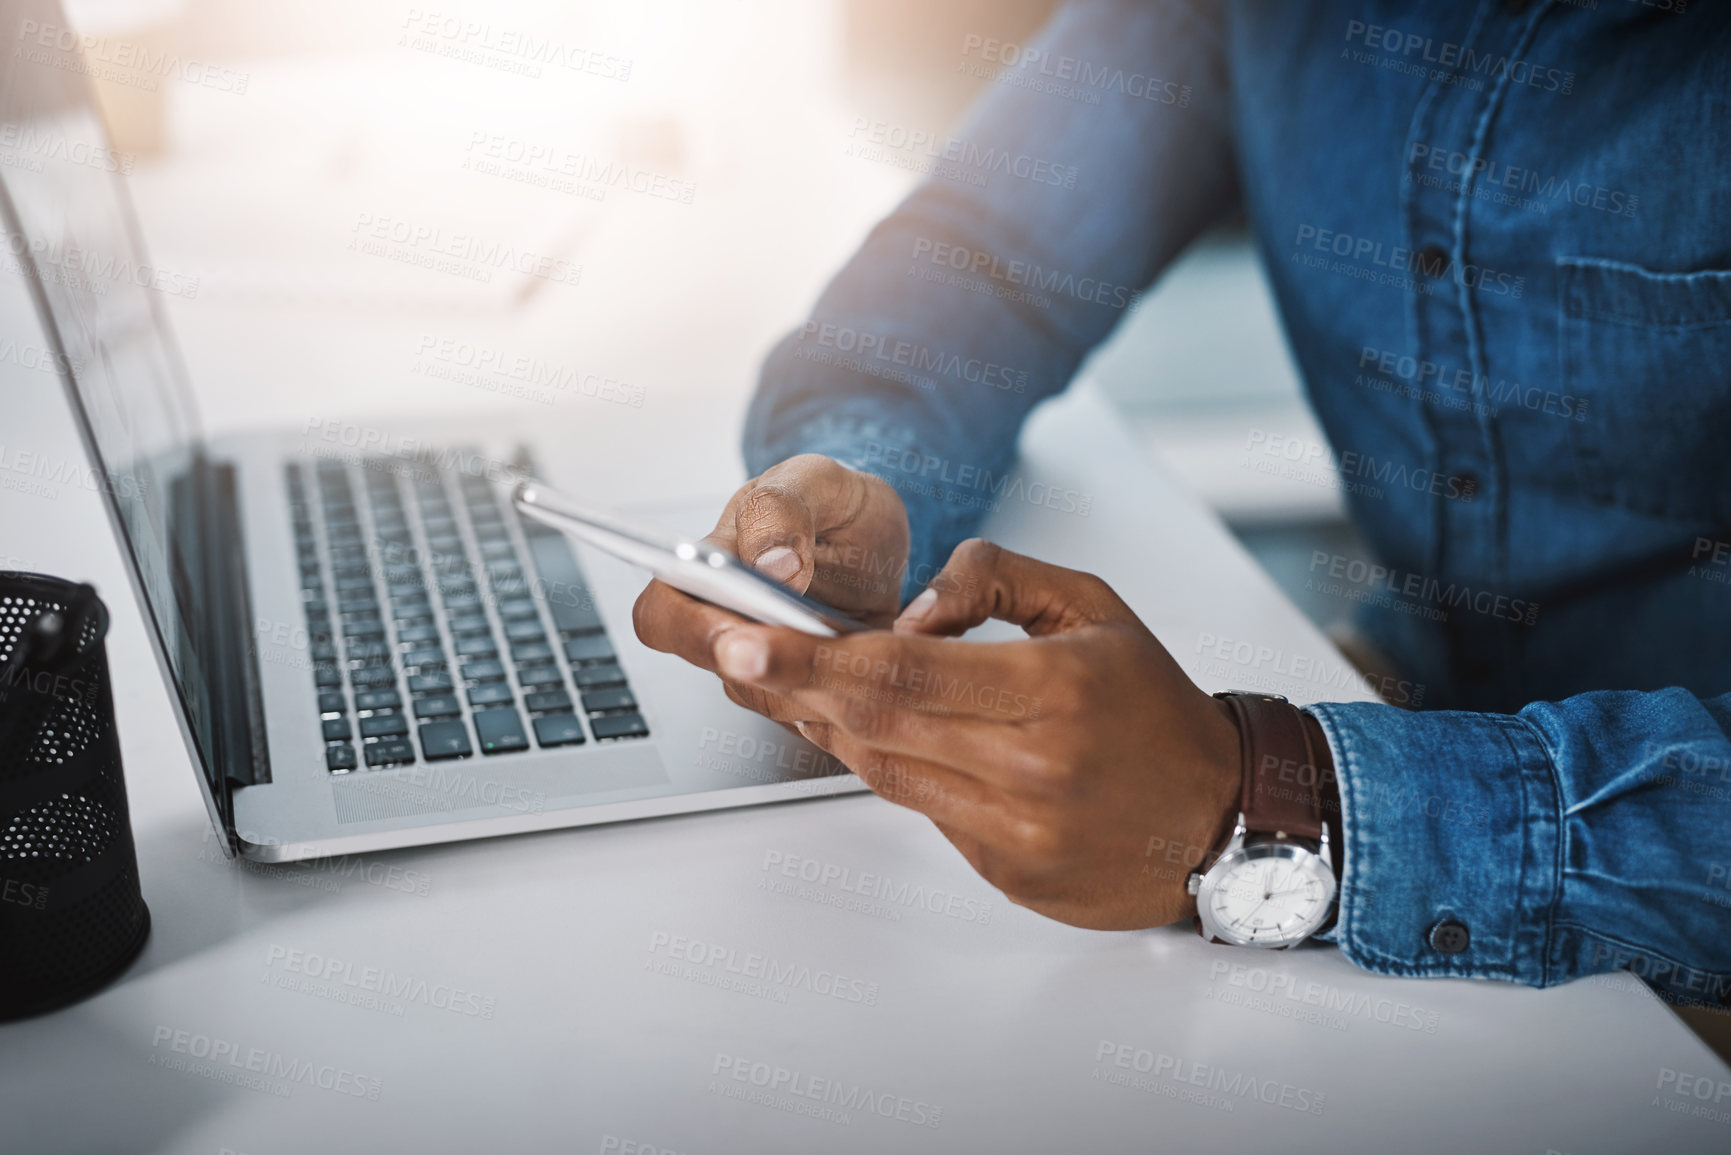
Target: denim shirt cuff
x,y
1447,817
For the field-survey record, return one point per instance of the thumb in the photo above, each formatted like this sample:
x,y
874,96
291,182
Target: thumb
x,y
983,580
774,532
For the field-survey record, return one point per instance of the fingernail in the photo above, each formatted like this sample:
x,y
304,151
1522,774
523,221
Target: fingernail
x,y
920,607
742,656
778,562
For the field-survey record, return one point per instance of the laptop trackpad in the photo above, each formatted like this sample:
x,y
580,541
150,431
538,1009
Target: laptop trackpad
x,y
519,784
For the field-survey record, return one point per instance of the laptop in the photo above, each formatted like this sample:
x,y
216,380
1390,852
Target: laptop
x,y
367,646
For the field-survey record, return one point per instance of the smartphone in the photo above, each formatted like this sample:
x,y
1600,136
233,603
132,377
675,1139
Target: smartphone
x,y
699,569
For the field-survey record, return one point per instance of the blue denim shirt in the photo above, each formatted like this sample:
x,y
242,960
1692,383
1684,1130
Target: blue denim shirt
x,y
1500,238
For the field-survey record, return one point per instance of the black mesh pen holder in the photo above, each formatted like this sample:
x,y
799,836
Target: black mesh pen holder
x,y
72,915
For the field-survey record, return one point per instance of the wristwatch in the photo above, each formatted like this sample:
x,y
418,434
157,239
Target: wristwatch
x,y
1272,883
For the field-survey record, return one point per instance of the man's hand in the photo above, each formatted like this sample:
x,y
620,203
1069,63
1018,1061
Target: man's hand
x,y
1058,765
814,525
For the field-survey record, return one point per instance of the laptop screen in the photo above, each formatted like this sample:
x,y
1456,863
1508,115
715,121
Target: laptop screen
x,y
72,238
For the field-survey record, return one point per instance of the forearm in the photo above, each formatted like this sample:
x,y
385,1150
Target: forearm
x,y
971,302
1573,838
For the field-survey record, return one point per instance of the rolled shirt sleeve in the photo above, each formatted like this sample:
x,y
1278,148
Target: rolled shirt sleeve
x,y
977,298
1572,838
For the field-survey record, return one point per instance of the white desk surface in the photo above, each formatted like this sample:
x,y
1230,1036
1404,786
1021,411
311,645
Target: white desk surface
x,y
574,1030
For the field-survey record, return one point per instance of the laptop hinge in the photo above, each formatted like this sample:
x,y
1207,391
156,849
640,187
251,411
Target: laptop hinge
x,y
237,702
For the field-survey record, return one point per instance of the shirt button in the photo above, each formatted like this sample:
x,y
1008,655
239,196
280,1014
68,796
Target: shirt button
x,y
1516,7
1465,486
1433,260
1449,936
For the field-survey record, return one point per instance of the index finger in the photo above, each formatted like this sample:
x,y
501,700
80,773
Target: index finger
x,y
985,680
674,622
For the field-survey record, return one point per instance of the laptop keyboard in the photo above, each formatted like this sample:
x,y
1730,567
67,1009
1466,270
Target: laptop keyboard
x,y
442,624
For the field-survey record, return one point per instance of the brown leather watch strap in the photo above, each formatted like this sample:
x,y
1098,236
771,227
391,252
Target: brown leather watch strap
x,y
1283,775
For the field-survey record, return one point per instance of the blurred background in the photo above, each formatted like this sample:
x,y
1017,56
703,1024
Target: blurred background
x,y
688,167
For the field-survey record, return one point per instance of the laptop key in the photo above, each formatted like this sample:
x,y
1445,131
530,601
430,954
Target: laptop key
x,y
615,698
378,700
390,751
337,730
593,648
484,670
489,695
476,646
340,757
567,595
437,706
593,677
619,726
500,731
516,609
384,726
547,701
435,682
529,676
525,652
373,677
469,624
332,702
524,631
440,740
558,730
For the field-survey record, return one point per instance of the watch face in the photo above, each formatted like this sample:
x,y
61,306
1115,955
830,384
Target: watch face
x,y
1267,895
